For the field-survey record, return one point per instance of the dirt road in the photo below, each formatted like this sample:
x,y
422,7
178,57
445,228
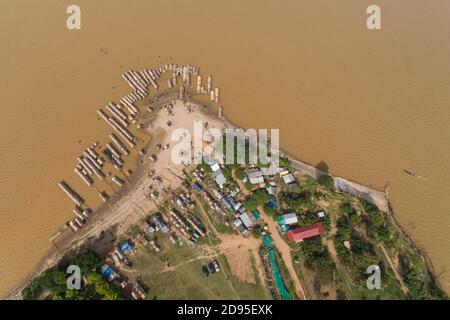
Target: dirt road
x,y
285,252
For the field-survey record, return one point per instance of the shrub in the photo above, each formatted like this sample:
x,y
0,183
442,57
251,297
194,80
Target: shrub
x,y
257,198
239,173
326,180
269,210
284,162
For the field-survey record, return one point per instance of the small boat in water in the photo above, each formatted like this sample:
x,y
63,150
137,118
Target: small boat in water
x,y
409,173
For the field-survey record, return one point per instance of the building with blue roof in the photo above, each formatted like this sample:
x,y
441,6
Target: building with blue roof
x,y
108,272
126,247
161,225
197,187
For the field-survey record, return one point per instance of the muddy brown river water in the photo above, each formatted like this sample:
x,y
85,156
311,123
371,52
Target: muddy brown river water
x,y
368,103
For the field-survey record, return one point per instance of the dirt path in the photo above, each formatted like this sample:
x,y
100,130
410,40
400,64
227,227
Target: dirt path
x,y
234,248
240,183
175,267
391,264
239,251
328,241
212,293
206,216
285,252
214,255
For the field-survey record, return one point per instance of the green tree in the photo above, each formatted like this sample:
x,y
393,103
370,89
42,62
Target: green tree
x,y
103,288
296,198
269,210
326,180
55,281
239,174
88,261
74,294
257,198
256,232
284,162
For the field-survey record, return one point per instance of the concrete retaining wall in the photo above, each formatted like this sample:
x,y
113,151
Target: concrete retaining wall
x,y
377,198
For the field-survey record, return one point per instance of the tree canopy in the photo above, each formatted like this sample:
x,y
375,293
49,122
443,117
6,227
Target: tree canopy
x,y
54,281
326,180
256,199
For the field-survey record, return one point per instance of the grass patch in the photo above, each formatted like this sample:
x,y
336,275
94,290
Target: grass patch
x,y
175,273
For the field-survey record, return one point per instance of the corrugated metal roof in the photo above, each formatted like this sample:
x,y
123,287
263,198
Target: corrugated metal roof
x,y
290,218
288,178
301,233
246,220
215,167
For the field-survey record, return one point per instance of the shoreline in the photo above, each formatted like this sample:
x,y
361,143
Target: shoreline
x,y
75,241
54,255
377,197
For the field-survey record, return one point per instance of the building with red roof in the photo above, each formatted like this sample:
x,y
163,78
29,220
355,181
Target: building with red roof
x,y
298,234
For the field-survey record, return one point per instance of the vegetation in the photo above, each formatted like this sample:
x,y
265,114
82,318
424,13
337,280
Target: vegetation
x,y
309,218
53,283
256,199
227,174
240,174
256,232
366,229
287,280
420,285
103,289
316,257
297,199
326,180
269,210
185,279
221,223
284,162
205,167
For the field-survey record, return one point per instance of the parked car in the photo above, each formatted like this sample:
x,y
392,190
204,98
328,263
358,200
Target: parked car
x,y
216,266
212,269
205,271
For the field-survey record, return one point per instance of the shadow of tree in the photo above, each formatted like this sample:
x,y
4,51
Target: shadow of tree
x,y
323,166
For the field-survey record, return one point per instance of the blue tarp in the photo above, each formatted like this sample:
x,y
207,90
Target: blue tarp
x,y
272,204
126,247
106,271
197,187
161,225
227,204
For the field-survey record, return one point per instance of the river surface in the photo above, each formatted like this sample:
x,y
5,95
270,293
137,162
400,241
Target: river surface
x,y
368,103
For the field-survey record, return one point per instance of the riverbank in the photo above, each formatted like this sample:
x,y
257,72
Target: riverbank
x,y
133,201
